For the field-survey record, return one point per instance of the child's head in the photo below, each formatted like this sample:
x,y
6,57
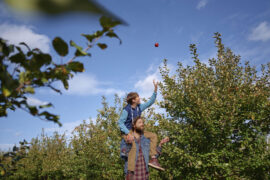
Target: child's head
x,y
138,124
133,98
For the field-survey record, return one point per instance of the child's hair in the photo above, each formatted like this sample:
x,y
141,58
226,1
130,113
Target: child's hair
x,y
135,121
131,96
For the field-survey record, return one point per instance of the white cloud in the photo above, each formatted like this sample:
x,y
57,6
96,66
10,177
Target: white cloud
x,y
21,33
35,102
201,4
261,32
256,55
86,84
145,86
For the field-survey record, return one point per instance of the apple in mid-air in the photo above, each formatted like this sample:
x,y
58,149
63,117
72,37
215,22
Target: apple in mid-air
x,y
156,44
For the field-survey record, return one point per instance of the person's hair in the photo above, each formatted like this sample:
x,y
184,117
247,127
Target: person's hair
x,y
131,96
135,121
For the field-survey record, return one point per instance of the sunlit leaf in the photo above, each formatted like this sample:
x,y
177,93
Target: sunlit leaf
x,y
79,51
6,92
29,89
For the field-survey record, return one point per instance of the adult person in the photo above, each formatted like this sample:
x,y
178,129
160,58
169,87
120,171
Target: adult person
x,y
141,171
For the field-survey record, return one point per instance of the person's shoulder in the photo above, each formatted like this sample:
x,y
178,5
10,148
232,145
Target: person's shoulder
x,y
126,107
124,111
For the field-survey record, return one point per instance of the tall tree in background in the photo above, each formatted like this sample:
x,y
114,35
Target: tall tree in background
x,y
219,118
91,152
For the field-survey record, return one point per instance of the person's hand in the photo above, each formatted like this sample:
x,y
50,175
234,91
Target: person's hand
x,y
155,85
130,138
165,140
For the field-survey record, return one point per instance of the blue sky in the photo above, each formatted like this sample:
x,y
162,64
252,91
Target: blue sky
x,y
174,24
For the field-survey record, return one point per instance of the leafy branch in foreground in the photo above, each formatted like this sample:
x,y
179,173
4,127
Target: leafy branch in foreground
x,y
23,71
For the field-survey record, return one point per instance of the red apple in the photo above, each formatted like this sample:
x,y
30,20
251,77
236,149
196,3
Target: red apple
x,y
156,44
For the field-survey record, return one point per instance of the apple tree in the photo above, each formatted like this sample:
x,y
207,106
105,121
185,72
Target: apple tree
x,y
218,118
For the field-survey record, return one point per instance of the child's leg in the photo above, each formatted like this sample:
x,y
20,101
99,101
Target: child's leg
x,y
153,142
131,155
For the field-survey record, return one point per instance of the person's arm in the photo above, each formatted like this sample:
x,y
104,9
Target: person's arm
x,y
152,99
149,103
159,147
159,150
121,122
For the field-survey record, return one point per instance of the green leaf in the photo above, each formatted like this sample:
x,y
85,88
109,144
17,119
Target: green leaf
x,y
22,77
98,33
23,43
102,46
50,117
79,51
65,83
107,22
33,110
5,48
18,58
46,105
44,80
111,34
29,89
89,37
39,60
60,46
75,66
6,92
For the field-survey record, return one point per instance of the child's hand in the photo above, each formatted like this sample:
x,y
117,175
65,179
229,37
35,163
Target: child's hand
x,y
130,138
155,85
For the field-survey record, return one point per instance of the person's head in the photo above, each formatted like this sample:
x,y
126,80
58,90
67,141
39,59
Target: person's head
x,y
138,125
133,98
